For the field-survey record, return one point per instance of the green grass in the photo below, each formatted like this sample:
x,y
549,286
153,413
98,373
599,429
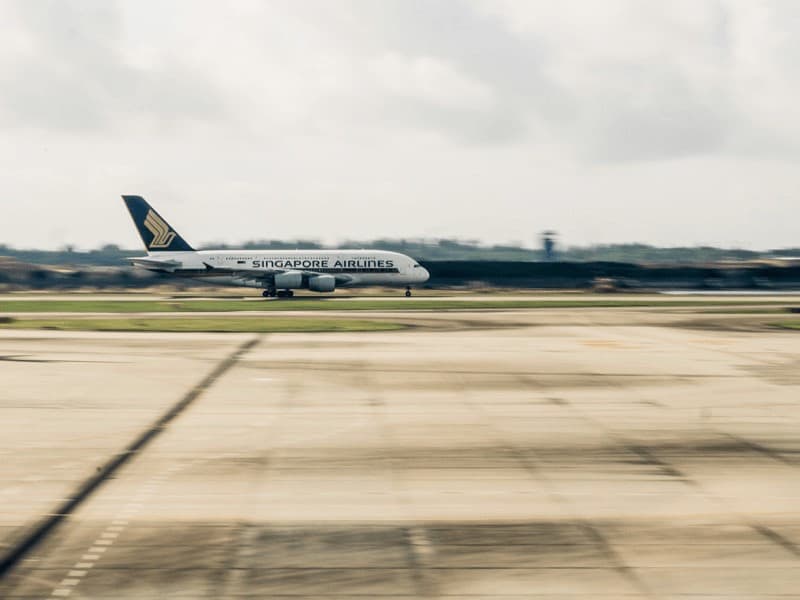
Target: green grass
x,y
788,325
203,324
323,304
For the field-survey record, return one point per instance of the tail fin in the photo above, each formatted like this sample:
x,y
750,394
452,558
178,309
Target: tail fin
x,y
155,232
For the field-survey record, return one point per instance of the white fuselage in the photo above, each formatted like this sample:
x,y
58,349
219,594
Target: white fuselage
x,y
253,268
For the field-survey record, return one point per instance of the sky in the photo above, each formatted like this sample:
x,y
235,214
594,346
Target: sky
x,y
669,123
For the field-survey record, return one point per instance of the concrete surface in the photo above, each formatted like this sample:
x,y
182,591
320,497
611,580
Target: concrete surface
x,y
584,457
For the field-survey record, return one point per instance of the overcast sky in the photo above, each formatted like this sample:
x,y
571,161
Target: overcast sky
x,y
669,123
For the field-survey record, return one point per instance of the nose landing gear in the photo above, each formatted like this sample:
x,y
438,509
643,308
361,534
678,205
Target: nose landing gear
x,y
408,291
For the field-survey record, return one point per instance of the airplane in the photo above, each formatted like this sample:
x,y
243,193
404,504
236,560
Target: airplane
x,y
277,272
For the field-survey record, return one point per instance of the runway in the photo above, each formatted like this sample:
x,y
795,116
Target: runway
x,y
591,453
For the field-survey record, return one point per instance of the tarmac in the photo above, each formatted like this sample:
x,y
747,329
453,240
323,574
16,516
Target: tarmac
x,y
590,453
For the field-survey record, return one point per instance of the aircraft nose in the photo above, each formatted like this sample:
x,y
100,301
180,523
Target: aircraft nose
x,y
424,275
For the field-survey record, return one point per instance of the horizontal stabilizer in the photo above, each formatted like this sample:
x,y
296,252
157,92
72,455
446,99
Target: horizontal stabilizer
x,y
152,264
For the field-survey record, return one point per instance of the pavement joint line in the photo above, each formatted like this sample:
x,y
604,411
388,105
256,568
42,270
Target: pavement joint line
x,y
82,568
416,562
420,540
108,536
531,464
42,529
760,448
721,500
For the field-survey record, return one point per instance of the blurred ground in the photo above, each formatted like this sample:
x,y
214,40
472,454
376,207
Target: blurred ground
x,y
572,453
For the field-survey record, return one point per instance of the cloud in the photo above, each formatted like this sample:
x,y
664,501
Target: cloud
x,y
622,80
615,81
431,81
68,71
650,81
614,120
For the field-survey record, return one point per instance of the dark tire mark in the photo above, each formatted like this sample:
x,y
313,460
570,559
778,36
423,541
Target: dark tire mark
x,y
777,538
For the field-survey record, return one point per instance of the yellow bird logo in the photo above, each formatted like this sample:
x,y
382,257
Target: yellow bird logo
x,y
162,236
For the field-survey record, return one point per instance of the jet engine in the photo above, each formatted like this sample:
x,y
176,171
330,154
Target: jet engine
x,y
322,283
289,280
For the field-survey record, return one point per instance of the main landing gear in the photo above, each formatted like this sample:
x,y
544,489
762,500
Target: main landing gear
x,y
408,291
271,293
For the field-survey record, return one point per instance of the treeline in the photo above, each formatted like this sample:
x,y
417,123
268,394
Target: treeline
x,y
600,276
112,255
610,276
643,253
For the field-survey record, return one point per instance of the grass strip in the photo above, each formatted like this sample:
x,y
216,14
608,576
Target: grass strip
x,y
203,324
323,304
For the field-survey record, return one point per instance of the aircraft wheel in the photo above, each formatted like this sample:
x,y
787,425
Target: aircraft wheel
x,y
408,292
267,293
290,293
